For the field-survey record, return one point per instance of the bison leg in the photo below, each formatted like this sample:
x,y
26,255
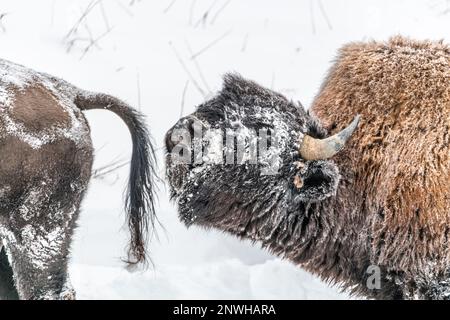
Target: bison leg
x,y
434,289
7,289
39,259
38,240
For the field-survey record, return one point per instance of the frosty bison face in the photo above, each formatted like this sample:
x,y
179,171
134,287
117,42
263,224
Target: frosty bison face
x,y
247,158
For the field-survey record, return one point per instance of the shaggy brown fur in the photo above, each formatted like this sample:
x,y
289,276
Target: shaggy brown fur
x,y
396,210
37,109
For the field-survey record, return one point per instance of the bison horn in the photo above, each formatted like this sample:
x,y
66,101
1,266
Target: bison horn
x,y
316,149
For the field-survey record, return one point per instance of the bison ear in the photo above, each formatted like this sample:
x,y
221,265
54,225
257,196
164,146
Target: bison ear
x,y
318,182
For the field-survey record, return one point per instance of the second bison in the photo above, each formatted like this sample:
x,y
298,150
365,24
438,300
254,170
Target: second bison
x,y
380,207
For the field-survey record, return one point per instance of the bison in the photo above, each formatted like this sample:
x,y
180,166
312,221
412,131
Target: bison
x,y
374,217
45,167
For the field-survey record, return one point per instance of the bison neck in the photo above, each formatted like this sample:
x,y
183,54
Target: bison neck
x,y
326,238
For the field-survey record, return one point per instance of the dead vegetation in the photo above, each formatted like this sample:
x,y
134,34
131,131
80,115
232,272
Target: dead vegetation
x,y
81,36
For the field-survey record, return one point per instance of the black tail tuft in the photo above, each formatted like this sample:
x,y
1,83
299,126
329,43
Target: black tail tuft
x,y
139,201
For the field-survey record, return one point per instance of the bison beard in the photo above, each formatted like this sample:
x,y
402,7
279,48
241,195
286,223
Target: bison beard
x,y
383,201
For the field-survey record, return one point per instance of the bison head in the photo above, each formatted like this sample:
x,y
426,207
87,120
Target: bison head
x,y
249,158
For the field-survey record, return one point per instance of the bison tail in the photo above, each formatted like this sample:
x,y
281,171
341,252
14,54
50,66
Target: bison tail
x,y
140,194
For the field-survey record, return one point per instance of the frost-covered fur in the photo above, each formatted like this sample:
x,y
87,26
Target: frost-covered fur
x,y
45,166
391,207
240,199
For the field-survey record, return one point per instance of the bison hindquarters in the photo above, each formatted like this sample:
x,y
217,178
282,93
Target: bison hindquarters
x,y
45,187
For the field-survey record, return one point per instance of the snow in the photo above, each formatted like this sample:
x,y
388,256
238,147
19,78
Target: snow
x,y
229,279
286,45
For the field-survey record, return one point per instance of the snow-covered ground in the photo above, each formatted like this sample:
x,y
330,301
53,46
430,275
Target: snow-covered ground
x,y
287,45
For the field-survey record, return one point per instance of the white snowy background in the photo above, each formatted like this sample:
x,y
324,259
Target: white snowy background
x,y
165,57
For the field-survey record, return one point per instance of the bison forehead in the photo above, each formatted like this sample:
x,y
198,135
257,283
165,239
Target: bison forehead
x,y
247,102
255,127
245,110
